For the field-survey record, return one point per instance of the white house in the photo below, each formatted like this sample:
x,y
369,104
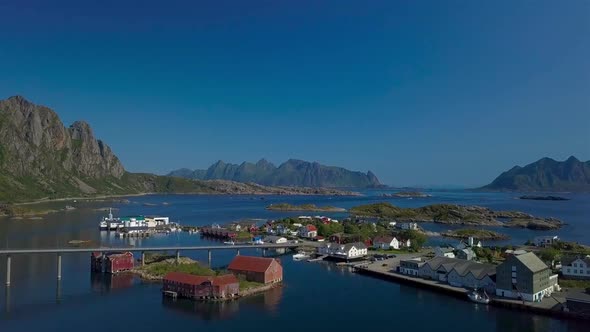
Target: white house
x,y
444,252
385,242
542,241
275,239
343,251
308,231
576,267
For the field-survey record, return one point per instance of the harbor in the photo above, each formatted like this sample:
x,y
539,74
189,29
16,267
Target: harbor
x,y
333,279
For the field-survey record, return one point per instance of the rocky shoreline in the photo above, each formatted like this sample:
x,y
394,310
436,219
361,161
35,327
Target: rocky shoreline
x,y
453,214
303,207
476,233
544,198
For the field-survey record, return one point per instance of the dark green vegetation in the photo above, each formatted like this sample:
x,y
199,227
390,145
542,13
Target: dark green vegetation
x,y
562,249
159,269
480,234
455,214
545,175
42,159
489,255
290,173
245,284
574,283
303,207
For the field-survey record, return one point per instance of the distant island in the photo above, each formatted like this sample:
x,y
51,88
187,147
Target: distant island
x,y
480,234
41,159
544,198
407,194
546,175
303,207
293,172
456,214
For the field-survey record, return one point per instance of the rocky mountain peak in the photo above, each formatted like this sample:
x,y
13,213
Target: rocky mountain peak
x,y
36,144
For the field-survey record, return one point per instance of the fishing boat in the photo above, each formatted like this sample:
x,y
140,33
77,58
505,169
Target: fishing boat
x,y
476,297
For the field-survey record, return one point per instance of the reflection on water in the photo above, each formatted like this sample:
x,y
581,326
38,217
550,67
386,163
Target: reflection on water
x,y
105,282
204,310
267,301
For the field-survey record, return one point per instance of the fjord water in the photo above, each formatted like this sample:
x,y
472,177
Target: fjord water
x,y
315,295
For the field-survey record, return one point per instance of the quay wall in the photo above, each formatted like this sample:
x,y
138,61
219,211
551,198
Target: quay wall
x,y
461,293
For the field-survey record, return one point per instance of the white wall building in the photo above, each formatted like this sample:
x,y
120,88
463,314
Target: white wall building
x,y
343,251
576,267
444,252
385,242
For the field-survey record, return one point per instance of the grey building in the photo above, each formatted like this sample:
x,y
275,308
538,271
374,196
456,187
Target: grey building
x,y
524,277
466,254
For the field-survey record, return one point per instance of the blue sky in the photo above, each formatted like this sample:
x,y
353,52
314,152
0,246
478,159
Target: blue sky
x,y
420,92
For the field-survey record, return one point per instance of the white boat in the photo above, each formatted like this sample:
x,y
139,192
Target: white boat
x,y
478,298
300,256
104,226
231,243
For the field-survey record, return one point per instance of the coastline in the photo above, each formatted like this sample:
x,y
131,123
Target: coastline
x,y
99,197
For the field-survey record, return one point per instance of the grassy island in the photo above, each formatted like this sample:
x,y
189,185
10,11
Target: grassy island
x,y
303,207
480,234
157,265
455,214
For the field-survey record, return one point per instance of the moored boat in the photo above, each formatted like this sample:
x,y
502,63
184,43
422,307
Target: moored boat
x,y
300,256
476,297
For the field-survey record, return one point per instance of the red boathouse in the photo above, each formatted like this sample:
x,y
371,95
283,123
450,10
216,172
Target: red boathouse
x,y
201,287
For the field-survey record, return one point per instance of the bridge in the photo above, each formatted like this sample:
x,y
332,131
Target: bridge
x,y
59,251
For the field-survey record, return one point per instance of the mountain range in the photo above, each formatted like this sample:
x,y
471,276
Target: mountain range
x,y
545,174
293,172
40,158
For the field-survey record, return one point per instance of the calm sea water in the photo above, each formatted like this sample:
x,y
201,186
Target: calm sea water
x,y
315,296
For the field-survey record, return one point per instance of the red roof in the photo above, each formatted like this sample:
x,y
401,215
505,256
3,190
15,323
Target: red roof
x,y
192,279
250,263
225,280
311,228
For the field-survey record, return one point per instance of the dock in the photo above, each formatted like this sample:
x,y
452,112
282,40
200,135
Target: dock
x,y
386,271
171,294
317,259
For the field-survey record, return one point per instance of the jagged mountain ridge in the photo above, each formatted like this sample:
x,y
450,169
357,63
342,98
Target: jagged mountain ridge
x,y
293,172
40,158
546,174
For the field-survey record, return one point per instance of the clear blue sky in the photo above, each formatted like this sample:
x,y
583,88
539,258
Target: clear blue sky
x,y
420,92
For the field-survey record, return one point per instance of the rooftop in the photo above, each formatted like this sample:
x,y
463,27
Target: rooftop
x,y
531,261
462,267
250,263
192,279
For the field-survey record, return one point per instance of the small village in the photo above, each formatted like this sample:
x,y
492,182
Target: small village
x,y
527,277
